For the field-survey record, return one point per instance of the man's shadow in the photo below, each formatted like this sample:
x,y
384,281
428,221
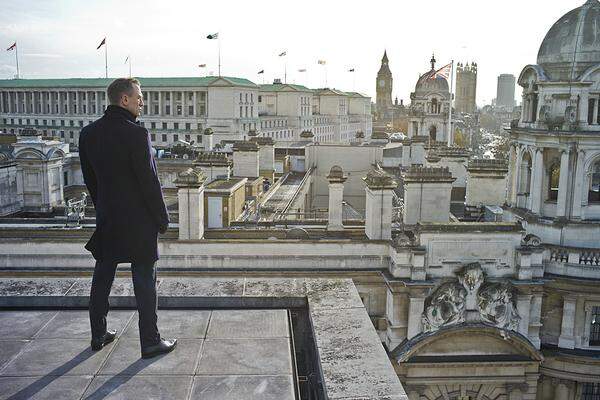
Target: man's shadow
x,y
107,387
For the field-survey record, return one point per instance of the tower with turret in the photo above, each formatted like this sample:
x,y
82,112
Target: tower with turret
x,y
384,86
466,88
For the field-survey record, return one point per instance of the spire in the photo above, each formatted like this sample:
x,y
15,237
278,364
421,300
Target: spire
x,y
384,60
432,61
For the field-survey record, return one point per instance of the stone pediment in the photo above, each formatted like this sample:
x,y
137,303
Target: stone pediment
x,y
467,342
471,298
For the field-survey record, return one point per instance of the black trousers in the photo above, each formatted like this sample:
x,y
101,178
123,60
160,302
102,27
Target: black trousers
x,y
144,286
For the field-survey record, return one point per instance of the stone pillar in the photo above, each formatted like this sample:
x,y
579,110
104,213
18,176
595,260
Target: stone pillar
x,y
563,184
378,209
579,185
537,173
160,104
427,192
523,305
567,328
208,139
561,389
486,182
172,102
195,103
535,320
245,159
336,180
415,312
98,104
190,193
266,155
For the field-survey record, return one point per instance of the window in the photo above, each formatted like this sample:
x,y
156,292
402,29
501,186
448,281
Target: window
x,y
81,123
164,125
179,109
164,137
191,110
246,97
554,178
168,109
65,178
155,109
168,96
595,328
71,135
591,106
187,138
176,125
240,111
153,125
198,138
153,137
175,137
259,99
187,126
590,391
594,191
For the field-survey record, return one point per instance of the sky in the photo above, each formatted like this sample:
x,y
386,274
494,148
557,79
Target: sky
x,y
58,39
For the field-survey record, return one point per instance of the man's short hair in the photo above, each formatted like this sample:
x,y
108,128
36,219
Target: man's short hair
x,y
119,87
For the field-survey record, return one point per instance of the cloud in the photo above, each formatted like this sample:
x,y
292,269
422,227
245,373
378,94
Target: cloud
x,y
43,55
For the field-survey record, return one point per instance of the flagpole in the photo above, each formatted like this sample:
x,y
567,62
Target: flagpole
x,y
450,105
17,58
106,58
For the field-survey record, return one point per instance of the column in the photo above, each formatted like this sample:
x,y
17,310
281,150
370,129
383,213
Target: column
x,y
523,305
579,185
98,94
561,389
336,180
535,319
183,100
415,311
160,105
561,204
172,102
60,103
2,102
537,173
190,194
77,105
567,328
148,102
195,104
511,174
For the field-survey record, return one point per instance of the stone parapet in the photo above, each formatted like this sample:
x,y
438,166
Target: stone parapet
x,y
417,173
379,179
245,146
485,165
212,158
263,140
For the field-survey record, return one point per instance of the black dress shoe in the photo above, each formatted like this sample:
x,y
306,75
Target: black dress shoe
x,y
99,343
162,347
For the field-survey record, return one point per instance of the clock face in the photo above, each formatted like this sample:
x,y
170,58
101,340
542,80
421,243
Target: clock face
x,y
381,83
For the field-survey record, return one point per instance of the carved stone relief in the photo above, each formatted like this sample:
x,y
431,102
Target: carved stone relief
x,y
469,298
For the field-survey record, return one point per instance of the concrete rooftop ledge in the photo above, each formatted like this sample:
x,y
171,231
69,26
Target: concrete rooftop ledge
x,y
353,363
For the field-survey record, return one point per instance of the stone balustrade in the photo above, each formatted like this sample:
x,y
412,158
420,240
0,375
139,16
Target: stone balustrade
x,y
572,261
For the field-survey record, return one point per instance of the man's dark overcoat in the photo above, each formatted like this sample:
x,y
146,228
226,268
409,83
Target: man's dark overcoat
x,y
119,171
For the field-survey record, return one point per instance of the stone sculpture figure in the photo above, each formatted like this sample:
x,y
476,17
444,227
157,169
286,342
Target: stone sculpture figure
x,y
446,306
468,296
497,305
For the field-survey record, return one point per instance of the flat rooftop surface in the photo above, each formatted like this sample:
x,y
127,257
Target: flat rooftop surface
x,y
221,354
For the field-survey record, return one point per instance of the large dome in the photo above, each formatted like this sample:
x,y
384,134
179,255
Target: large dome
x,y
573,43
427,83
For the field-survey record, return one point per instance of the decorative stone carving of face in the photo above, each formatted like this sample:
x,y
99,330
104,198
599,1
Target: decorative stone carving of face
x,y
471,277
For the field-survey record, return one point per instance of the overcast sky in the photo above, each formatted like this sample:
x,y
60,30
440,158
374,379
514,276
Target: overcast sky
x,y
58,38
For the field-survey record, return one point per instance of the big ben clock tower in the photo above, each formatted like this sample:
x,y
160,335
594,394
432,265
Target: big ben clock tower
x,y
384,88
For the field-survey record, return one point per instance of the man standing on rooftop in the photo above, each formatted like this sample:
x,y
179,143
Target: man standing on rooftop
x,y
119,171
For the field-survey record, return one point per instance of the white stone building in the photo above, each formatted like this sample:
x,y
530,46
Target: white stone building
x,y
183,108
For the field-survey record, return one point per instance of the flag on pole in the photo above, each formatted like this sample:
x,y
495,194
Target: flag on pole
x,y
102,43
14,46
213,36
444,72
351,70
302,70
283,54
262,71
202,65
321,62
127,59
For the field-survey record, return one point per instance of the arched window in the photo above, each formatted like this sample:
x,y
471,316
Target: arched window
x,y
553,180
594,192
434,106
